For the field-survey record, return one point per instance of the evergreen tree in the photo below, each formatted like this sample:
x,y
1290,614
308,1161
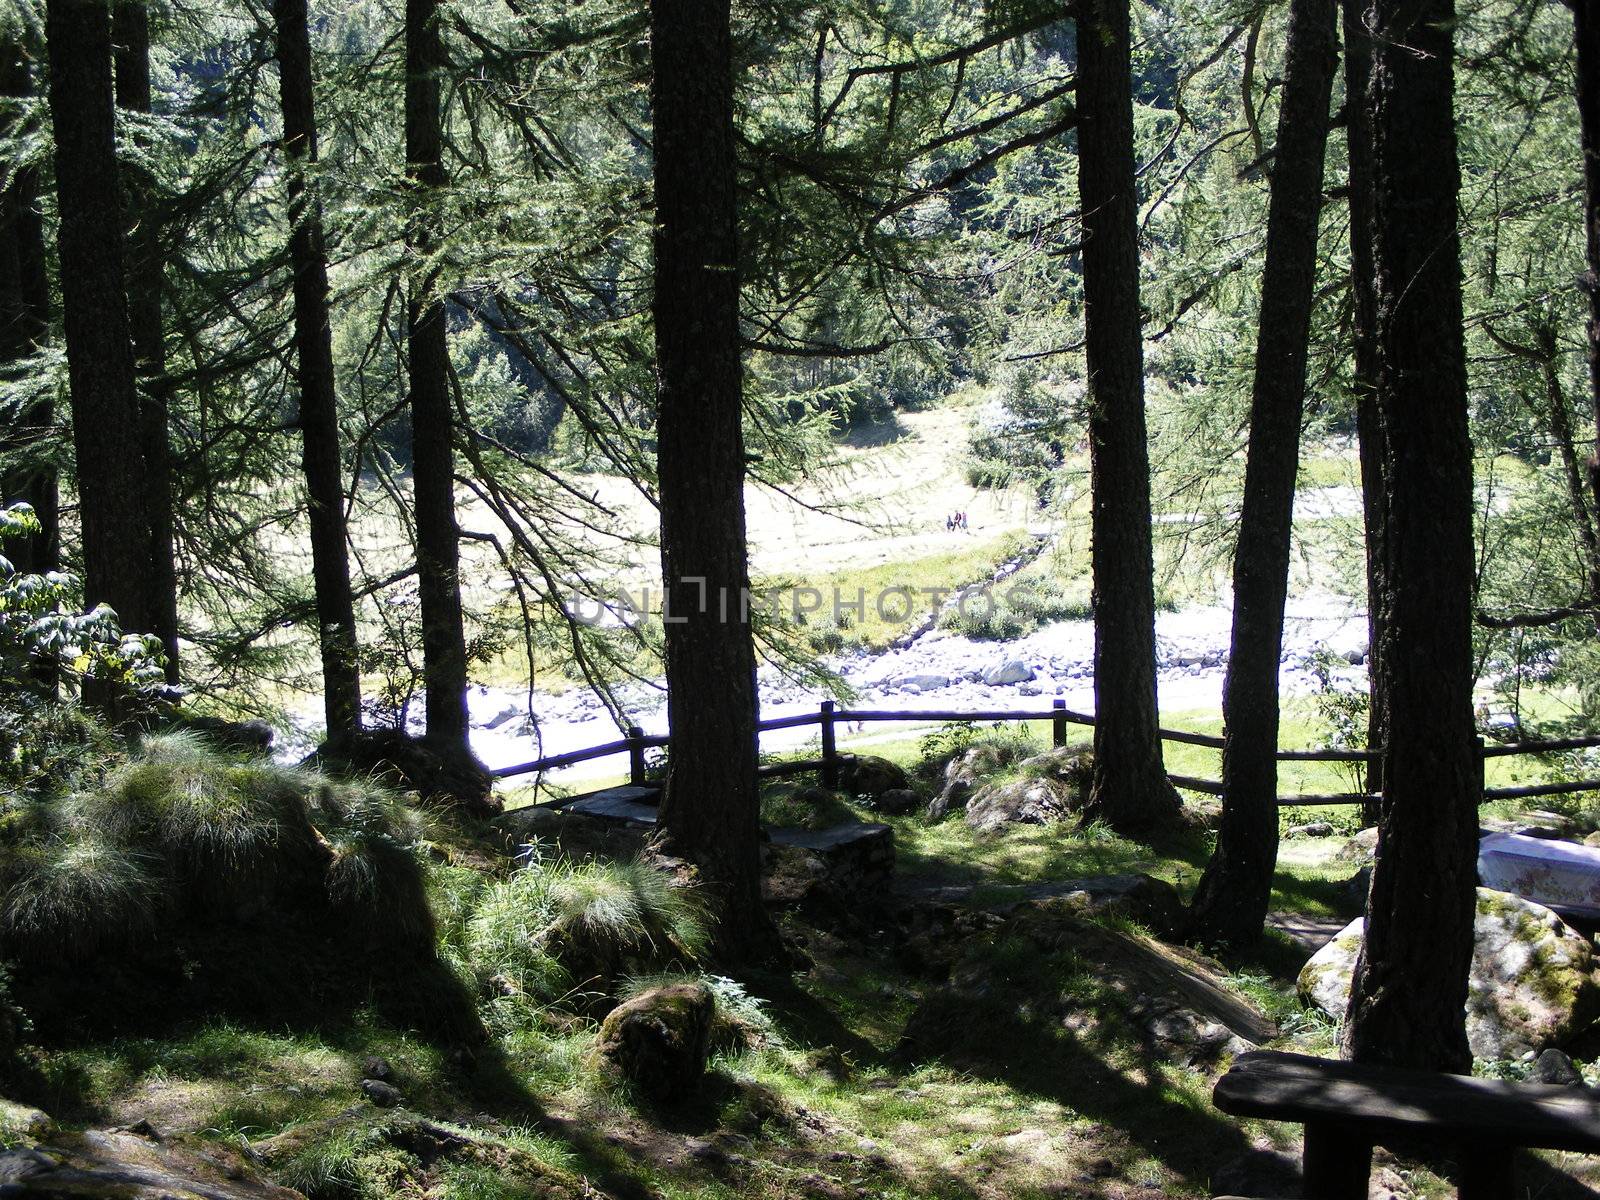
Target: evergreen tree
x,y
1130,791
130,35
709,814
444,647
1407,1003
1230,906
24,322
320,441
106,427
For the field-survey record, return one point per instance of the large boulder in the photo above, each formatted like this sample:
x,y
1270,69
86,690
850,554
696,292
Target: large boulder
x,y
659,1040
1012,670
964,773
1019,802
869,775
1533,983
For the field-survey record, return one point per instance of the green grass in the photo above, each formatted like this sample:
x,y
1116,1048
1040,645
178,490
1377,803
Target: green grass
x,y
874,627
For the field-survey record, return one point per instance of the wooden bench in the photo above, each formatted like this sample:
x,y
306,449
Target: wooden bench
x,y
1348,1108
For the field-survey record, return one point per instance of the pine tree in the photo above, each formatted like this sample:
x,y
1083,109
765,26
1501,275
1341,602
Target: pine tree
x,y
1407,1003
709,814
1230,906
444,651
106,428
321,455
1130,791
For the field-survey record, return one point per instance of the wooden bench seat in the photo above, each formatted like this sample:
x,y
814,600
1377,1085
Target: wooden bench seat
x,y
1347,1108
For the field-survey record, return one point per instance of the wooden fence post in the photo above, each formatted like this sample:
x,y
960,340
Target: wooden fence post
x,y
830,756
635,756
1058,723
1483,769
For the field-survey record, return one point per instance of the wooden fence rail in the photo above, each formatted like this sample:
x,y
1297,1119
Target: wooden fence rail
x,y
828,717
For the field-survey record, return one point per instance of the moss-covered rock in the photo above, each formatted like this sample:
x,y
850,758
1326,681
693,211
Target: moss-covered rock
x,y
871,776
1534,981
659,1040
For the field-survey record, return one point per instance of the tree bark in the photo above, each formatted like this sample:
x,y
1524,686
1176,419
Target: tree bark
x,y
1586,33
130,34
106,429
444,650
24,323
1130,791
1230,906
320,456
709,814
1357,68
1408,999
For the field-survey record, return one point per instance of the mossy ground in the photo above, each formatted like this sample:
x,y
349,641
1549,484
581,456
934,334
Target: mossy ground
x,y
830,1102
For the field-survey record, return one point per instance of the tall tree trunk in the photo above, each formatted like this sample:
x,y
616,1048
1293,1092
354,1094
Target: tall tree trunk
x,y
106,429
1231,904
1407,1002
1130,791
319,412
709,813
24,322
130,34
444,650
1363,283
1586,32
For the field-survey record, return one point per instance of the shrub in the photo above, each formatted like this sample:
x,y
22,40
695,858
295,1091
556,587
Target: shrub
x,y
565,931
181,828
77,898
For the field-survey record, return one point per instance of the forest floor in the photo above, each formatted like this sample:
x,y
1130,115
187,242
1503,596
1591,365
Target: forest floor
x,y
946,1039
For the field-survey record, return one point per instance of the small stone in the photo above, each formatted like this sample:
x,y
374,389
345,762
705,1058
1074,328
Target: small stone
x,y
374,1067
384,1095
1555,1066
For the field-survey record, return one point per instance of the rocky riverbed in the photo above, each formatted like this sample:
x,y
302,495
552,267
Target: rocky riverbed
x,y
939,670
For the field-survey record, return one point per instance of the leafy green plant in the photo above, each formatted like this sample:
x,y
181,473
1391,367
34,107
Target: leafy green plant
x,y
42,636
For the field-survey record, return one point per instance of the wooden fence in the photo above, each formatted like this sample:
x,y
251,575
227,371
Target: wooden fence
x,y
829,716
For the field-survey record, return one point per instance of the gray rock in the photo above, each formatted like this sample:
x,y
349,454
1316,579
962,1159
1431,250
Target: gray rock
x,y
504,717
1018,802
897,801
1310,829
869,775
374,1067
384,1095
17,1165
922,683
1362,847
1555,1066
1355,889
1013,670
99,1163
1533,982
1258,1173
